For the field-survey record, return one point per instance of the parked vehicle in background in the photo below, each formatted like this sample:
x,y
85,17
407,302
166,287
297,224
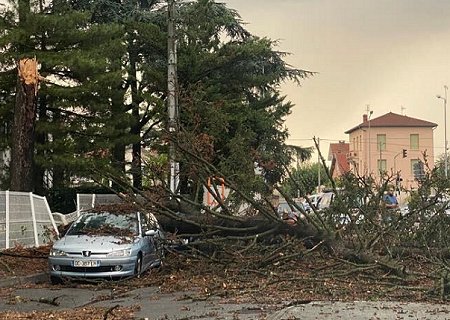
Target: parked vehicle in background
x,y
442,203
290,213
313,199
107,244
339,219
325,200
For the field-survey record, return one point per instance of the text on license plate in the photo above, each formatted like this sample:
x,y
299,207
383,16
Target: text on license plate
x,y
85,263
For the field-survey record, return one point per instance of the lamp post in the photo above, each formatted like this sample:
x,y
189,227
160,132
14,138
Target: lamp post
x,y
445,129
318,161
369,114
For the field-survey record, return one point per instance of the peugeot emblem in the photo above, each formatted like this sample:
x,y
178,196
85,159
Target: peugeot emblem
x,y
86,253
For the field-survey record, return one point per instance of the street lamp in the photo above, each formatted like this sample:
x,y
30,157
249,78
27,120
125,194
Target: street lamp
x,y
369,114
445,128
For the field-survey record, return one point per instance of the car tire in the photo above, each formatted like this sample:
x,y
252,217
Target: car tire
x,y
55,280
138,266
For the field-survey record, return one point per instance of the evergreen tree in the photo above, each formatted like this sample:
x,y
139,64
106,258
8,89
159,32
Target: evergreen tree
x,y
106,64
304,180
77,59
229,86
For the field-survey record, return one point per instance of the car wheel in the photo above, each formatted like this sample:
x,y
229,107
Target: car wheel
x,y
55,280
138,266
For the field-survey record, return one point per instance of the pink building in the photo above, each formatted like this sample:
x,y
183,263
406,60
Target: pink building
x,y
391,144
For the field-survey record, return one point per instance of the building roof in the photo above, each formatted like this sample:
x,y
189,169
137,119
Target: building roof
x,y
392,120
339,152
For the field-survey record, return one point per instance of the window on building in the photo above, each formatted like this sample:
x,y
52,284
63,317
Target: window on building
x,y
417,169
414,142
381,142
414,163
382,165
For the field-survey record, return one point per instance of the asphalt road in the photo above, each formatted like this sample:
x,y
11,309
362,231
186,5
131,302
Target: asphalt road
x,y
152,303
155,305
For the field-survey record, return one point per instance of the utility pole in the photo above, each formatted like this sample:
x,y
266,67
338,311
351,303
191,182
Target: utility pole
x,y
172,97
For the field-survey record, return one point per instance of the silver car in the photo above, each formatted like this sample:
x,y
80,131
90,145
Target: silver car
x,y
107,244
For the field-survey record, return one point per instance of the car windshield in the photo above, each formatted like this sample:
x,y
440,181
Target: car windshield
x,y
105,224
285,207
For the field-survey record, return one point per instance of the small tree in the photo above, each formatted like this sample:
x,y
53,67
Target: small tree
x,y
304,179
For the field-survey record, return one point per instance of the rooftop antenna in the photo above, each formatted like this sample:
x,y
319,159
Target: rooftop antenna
x,y
402,108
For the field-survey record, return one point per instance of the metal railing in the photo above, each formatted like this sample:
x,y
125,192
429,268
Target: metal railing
x,y
25,220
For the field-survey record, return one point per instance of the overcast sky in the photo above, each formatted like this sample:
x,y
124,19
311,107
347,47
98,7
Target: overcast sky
x,y
387,54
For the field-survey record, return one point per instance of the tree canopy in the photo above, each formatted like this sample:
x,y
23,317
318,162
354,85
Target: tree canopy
x,y
104,93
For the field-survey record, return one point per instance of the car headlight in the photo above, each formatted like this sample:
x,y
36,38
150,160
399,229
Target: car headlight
x,y
57,253
120,253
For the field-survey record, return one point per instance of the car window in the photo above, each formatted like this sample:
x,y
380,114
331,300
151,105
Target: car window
x,y
284,207
325,200
314,199
105,224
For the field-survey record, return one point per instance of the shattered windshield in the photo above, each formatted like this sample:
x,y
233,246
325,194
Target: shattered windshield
x,y
106,224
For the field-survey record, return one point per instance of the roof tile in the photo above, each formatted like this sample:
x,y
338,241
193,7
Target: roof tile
x,y
393,120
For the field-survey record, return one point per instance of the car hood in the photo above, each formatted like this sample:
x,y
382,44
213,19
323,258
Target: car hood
x,y
94,243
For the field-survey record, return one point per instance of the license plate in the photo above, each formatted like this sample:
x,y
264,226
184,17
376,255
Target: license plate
x,y
86,263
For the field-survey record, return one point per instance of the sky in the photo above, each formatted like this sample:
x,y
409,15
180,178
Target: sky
x,y
388,55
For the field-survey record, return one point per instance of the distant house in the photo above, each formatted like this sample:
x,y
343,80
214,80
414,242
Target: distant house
x,y
392,144
338,155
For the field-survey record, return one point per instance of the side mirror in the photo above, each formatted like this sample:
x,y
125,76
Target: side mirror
x,y
151,233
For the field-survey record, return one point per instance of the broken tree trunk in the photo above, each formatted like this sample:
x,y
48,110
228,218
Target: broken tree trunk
x,y
21,168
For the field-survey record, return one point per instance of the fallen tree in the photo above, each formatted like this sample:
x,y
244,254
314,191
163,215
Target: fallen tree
x,y
353,234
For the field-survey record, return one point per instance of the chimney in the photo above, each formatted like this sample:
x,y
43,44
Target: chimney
x,y
364,117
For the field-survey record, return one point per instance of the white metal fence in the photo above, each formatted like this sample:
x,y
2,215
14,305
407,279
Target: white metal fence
x,y
88,201
25,219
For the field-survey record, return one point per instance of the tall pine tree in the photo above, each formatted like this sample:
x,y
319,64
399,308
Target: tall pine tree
x,y
77,59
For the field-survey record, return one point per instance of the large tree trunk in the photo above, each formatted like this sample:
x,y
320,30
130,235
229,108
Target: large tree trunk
x,y
136,166
40,183
24,123
118,162
118,148
136,169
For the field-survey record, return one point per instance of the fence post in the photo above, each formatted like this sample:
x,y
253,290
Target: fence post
x,y
55,227
7,219
33,217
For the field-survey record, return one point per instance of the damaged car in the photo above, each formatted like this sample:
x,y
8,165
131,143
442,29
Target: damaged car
x,y
107,244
